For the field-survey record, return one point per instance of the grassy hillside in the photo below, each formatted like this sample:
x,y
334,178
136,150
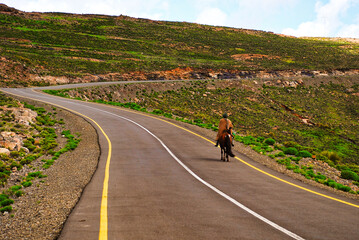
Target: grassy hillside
x,y
303,125
321,117
71,45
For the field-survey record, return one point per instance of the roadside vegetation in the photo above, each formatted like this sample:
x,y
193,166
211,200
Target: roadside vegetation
x,y
38,148
295,126
58,44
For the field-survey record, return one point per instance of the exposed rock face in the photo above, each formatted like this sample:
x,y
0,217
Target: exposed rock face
x,y
5,9
24,116
11,141
4,151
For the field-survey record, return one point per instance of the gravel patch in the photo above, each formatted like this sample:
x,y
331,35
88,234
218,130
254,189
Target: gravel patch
x,y
42,211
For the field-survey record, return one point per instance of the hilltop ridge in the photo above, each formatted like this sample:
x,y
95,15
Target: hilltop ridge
x,y
55,48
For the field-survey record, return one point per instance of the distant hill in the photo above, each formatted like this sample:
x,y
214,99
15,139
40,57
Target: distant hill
x,y
41,48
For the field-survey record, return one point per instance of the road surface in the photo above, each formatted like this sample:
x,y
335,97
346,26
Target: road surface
x,y
156,180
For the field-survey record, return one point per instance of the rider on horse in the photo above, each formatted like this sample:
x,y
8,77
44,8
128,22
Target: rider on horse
x,y
225,125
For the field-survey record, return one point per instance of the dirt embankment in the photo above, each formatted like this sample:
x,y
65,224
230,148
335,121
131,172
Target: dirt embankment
x,y
19,74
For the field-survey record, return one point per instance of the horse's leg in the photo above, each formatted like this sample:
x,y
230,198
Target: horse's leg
x,y
227,158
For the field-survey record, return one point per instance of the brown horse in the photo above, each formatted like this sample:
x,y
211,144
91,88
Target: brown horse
x,y
226,146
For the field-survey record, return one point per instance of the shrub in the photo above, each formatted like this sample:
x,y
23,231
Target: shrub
x,y
347,174
6,202
333,156
3,197
291,151
157,112
304,154
19,193
269,141
15,188
14,154
6,209
26,184
280,154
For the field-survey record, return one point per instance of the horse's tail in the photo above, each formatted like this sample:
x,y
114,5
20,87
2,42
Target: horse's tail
x,y
228,142
228,145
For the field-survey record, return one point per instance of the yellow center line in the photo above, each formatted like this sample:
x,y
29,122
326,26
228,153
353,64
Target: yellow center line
x,y
103,233
103,211
241,160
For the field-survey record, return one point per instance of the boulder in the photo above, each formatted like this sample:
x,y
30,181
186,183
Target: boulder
x,y
24,116
5,151
11,141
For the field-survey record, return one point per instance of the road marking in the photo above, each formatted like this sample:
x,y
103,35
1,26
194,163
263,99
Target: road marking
x,y
103,232
103,223
241,160
274,225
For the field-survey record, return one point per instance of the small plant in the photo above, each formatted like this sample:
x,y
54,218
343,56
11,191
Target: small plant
x,y
304,154
19,193
347,174
6,209
26,184
6,202
280,154
291,151
269,141
332,156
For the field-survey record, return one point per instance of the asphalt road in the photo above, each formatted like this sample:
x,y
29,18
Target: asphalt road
x,y
158,181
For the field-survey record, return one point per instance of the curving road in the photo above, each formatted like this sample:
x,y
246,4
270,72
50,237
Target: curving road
x,y
156,180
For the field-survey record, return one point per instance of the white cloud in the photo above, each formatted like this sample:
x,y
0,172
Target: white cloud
x,y
328,22
349,31
212,16
137,8
255,14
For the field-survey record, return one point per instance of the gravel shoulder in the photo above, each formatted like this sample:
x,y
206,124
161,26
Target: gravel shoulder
x,y
42,211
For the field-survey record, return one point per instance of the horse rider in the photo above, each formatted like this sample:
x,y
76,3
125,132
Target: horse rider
x,y
225,125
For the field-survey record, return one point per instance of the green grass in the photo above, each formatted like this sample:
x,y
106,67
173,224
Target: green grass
x,y
41,141
258,115
74,45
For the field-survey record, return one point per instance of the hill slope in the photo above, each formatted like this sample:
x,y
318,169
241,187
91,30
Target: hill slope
x,y
34,46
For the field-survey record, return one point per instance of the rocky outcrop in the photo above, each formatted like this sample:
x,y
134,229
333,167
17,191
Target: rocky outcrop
x,y
11,141
5,151
24,116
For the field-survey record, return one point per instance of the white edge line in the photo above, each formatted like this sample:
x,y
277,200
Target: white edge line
x,y
274,225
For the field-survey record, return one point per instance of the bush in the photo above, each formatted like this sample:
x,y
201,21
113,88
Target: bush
x,y
304,154
347,174
333,156
3,197
291,151
280,154
19,193
6,209
6,202
14,154
26,184
269,141
15,188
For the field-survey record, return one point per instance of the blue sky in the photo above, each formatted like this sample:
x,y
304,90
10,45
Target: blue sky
x,y
318,18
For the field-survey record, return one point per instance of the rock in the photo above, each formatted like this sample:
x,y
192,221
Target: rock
x,y
5,151
25,149
24,116
11,141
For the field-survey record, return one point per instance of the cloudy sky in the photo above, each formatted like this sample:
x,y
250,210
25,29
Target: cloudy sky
x,y
324,18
